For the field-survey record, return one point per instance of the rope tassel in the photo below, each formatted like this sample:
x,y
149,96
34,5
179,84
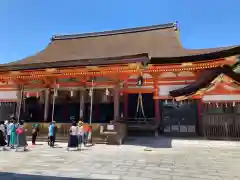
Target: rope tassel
x,y
140,105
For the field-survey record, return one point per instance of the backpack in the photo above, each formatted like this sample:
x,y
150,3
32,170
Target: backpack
x,y
20,131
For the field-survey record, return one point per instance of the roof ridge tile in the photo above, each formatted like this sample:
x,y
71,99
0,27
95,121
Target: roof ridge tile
x,y
115,32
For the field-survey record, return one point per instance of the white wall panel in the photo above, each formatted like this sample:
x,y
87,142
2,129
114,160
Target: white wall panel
x,y
221,98
8,95
164,89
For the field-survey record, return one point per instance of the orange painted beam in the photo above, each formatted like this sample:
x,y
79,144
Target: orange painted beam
x,y
108,70
8,86
137,90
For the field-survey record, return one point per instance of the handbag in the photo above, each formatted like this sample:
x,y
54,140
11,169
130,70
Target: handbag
x,y
19,131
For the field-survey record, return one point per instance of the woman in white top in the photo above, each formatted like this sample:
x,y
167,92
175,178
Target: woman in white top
x,y
80,133
73,136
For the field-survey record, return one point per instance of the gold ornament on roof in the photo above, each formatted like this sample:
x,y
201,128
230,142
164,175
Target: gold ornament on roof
x,y
51,70
187,64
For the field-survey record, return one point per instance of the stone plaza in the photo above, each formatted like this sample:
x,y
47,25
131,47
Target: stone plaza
x,y
138,159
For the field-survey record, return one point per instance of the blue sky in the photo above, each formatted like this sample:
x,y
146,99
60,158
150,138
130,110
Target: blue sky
x,y
26,26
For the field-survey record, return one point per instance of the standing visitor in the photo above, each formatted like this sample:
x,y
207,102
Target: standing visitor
x,y
54,131
73,136
9,129
6,123
80,133
13,135
35,130
49,134
2,135
52,134
89,137
87,134
21,137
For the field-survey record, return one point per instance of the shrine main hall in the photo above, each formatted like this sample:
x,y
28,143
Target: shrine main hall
x,y
142,77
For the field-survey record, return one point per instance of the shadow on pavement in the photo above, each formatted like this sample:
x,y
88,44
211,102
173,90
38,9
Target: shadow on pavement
x,y
149,142
15,176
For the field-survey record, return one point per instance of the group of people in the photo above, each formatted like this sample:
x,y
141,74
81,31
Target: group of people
x,y
12,134
78,135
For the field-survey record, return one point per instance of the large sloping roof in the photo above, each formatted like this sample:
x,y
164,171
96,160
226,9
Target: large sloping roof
x,y
158,41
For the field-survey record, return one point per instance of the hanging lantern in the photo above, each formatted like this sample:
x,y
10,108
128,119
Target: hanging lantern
x,y
71,93
226,105
90,93
55,92
121,84
217,105
107,92
166,102
234,104
140,81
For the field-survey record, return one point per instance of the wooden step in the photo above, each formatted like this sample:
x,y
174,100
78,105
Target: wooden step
x,y
136,133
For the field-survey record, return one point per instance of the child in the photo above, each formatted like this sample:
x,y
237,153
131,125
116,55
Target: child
x,y
21,136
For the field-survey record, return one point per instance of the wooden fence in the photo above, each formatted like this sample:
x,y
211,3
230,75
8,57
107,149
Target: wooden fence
x,y
221,126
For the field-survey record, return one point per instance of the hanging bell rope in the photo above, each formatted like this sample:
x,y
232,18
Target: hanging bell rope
x,y
140,99
140,106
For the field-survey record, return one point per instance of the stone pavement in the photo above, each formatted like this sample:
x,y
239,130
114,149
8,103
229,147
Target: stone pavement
x,y
126,162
